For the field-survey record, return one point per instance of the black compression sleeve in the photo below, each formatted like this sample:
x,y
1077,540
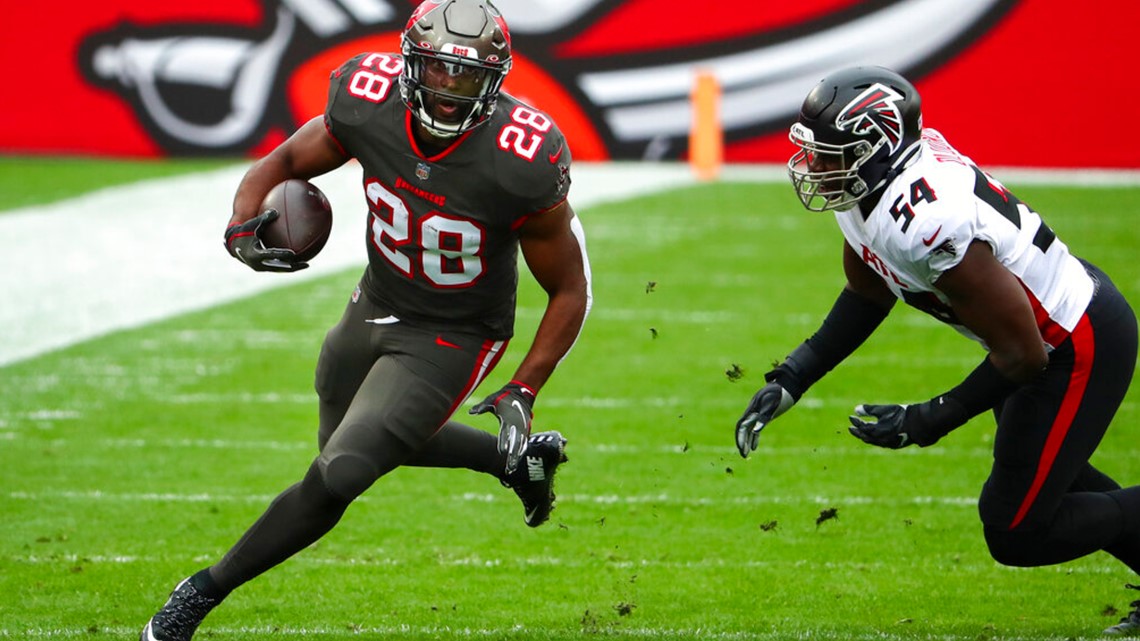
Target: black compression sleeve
x,y
984,388
851,320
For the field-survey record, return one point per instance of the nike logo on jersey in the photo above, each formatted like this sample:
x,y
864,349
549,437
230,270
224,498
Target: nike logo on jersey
x,y
556,155
387,320
930,241
439,340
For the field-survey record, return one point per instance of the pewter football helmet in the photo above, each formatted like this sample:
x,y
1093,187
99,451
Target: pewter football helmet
x,y
469,38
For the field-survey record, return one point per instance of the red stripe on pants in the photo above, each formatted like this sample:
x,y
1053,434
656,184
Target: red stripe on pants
x,y
1083,345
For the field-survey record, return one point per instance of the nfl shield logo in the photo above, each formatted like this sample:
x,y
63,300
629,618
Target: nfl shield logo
x,y
423,170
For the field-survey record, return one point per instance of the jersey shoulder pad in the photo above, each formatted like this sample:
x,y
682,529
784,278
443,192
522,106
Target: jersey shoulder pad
x,y
531,156
934,213
361,85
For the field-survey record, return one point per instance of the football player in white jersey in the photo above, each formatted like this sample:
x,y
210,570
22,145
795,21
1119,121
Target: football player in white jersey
x,y
923,224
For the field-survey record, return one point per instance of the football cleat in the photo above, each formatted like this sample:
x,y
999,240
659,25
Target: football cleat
x,y
179,618
533,479
1129,626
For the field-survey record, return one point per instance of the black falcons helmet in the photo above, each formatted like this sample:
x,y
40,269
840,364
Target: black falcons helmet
x,y
856,127
467,37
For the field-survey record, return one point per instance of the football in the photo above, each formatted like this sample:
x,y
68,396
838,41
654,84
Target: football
x,y
304,218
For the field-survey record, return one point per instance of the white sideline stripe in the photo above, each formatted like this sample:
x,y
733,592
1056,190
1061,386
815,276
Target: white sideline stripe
x,y
478,497
127,256
613,449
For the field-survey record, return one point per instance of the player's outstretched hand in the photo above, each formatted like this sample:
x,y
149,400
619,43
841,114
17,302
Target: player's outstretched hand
x,y
243,242
882,425
513,405
771,401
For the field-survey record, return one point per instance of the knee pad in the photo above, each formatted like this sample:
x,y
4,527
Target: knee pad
x,y
346,476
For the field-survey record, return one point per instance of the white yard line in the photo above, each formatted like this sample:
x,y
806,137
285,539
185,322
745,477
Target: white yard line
x,y
376,558
661,498
127,256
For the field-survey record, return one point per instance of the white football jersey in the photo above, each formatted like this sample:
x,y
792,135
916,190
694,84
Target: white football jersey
x,y
931,212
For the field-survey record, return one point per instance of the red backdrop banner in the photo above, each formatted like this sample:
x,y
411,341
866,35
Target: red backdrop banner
x,y
1010,82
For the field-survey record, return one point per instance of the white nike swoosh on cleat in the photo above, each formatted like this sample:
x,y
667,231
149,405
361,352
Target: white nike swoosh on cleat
x,y
387,320
147,635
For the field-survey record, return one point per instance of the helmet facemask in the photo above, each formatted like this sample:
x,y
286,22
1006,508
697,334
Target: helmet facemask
x,y
456,55
826,176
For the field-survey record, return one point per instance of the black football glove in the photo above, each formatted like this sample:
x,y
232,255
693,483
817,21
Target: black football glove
x,y
513,405
882,425
243,241
771,401
896,426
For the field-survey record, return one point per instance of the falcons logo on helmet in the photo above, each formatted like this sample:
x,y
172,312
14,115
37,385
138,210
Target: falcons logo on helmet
x,y
874,109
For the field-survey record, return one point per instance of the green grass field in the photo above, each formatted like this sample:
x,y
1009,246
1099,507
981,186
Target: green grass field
x,y
133,460
26,181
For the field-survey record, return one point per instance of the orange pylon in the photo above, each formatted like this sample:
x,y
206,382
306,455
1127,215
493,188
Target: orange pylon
x,y
706,137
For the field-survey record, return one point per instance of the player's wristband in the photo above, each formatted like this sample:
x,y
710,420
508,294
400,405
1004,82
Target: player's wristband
x,y
523,389
798,371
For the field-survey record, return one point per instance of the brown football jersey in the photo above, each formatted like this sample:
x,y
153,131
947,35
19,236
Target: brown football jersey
x,y
442,229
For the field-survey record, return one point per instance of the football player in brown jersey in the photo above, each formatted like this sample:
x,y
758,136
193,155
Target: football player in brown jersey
x,y
458,177
924,225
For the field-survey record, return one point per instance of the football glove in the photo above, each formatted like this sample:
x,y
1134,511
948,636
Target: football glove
x,y
771,401
882,425
895,426
513,405
243,242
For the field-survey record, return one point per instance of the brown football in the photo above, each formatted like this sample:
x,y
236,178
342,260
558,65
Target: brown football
x,y
304,221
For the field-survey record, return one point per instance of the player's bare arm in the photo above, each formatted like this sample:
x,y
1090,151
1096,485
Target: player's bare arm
x,y
863,281
309,152
556,257
991,302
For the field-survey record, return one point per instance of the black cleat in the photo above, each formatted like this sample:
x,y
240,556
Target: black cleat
x,y
179,618
533,479
1129,626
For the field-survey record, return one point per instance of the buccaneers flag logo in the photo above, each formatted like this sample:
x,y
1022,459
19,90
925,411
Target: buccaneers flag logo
x,y
616,75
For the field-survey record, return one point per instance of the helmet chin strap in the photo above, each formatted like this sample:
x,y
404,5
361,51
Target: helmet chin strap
x,y
468,122
897,167
434,131
906,160
428,122
871,199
